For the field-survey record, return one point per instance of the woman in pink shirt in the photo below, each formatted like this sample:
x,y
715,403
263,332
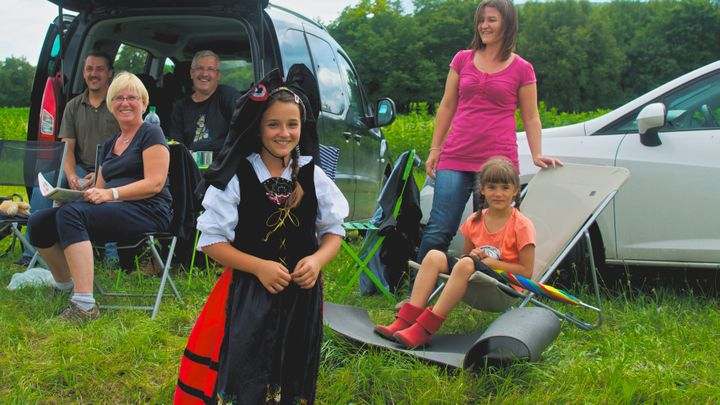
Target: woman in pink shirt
x,y
476,118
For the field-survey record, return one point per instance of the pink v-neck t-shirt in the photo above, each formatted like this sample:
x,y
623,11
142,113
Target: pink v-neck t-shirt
x,y
484,122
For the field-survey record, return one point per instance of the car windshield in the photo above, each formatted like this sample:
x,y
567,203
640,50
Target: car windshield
x,y
695,105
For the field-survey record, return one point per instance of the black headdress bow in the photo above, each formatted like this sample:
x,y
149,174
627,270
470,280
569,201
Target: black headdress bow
x,y
242,138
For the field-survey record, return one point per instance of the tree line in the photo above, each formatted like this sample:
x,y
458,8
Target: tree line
x,y
586,55
16,77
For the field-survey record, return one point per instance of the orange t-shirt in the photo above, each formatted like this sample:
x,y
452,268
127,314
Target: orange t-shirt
x,y
517,233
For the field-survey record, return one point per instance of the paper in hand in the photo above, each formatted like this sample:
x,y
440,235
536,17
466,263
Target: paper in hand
x,y
57,193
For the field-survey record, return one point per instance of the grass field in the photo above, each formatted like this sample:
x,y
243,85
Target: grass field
x,y
657,345
13,123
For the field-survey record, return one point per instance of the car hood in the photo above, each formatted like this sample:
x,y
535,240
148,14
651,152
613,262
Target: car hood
x,y
84,5
558,132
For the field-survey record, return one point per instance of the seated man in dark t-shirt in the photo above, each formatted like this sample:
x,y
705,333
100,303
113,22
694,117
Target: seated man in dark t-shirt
x,y
201,120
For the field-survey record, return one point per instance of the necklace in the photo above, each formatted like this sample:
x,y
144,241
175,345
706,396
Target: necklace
x,y
278,189
126,141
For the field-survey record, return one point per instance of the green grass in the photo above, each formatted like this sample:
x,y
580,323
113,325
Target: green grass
x,y
13,123
655,347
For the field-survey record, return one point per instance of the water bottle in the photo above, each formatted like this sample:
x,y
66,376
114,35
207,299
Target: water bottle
x,y
152,118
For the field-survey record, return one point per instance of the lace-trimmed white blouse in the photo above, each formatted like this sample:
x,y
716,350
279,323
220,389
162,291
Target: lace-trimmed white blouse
x,y
217,224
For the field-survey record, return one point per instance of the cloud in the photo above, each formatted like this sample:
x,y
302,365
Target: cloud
x,y
23,34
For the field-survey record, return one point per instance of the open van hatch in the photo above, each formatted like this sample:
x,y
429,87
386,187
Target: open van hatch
x,y
84,5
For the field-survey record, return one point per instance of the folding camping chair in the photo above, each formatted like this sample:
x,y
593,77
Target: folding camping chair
x,y
562,203
20,163
6,229
389,202
181,164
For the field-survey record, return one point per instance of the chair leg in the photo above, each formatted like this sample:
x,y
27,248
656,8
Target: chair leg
x,y
530,297
35,258
99,288
363,268
26,245
346,275
593,272
11,245
152,248
165,275
437,291
192,257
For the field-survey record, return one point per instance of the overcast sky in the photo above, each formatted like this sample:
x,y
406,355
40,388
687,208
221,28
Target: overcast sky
x,y
25,24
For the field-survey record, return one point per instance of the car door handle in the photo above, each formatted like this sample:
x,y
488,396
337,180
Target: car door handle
x,y
347,136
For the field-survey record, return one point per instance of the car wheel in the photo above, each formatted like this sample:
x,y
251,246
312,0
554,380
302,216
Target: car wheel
x,y
575,268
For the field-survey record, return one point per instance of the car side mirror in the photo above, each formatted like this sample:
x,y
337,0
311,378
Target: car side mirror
x,y
384,112
649,121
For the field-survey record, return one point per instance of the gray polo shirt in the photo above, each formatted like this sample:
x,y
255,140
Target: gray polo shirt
x,y
89,127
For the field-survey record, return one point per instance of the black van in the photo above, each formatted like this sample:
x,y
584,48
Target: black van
x,y
158,39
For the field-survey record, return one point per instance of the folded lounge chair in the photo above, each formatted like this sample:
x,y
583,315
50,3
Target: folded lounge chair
x,y
398,210
562,203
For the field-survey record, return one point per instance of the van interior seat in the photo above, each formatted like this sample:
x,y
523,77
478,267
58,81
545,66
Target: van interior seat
x,y
149,83
169,92
157,99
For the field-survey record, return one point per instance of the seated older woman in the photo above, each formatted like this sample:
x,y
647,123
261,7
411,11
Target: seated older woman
x,y
131,196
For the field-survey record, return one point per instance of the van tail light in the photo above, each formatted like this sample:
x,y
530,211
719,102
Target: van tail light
x,y
48,112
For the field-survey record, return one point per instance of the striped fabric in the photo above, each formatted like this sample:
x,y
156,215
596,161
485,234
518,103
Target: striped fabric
x,y
329,156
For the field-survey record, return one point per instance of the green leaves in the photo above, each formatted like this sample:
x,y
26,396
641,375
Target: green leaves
x,y
586,55
16,76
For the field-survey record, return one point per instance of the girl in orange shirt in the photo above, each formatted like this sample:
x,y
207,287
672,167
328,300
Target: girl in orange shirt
x,y
495,237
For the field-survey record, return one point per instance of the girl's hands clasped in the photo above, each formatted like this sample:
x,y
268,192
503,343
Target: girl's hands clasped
x,y
478,253
274,277
306,272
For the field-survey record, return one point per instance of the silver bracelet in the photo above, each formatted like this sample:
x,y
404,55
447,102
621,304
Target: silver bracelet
x,y
116,195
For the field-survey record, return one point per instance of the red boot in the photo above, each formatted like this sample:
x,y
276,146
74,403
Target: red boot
x,y
406,316
421,331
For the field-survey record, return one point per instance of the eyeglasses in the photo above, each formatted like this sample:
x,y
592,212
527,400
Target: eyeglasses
x,y
129,99
204,69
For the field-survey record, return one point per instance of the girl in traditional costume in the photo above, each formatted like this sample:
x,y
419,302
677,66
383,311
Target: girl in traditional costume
x,y
274,219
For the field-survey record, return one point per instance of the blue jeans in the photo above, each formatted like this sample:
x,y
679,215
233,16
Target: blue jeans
x,y
38,202
452,190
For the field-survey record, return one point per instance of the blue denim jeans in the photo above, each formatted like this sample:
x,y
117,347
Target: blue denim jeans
x,y
38,202
452,190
